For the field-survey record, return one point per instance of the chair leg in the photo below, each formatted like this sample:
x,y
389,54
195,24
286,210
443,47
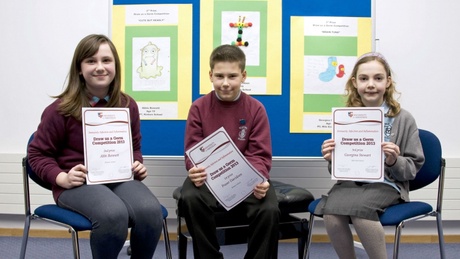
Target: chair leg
x,y
75,244
302,240
166,238
440,235
306,252
25,237
182,246
181,239
397,240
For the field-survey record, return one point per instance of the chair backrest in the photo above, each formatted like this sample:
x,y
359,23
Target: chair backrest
x,y
32,173
432,167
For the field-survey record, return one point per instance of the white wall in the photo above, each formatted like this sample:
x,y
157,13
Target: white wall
x,y
38,40
420,40
418,37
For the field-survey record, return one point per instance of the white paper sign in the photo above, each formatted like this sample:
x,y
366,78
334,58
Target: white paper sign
x,y
230,177
358,135
107,145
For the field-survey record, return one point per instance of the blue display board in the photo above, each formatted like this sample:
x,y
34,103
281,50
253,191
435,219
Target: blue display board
x,y
166,138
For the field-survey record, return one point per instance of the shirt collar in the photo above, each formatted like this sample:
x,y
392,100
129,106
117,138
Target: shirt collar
x,y
94,100
386,108
236,98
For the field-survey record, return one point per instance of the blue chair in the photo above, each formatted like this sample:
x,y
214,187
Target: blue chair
x,y
54,214
397,215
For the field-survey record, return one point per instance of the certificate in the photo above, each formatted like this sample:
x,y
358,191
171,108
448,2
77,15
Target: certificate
x,y
230,177
358,135
107,145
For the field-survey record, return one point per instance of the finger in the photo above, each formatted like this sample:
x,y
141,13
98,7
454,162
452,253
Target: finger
x,y
142,176
136,163
73,176
192,172
142,169
80,168
79,179
258,195
139,168
196,178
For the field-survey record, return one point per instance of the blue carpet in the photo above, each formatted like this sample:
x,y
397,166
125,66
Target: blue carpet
x,y
58,248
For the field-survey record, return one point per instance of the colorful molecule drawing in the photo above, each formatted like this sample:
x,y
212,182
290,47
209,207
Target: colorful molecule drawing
x,y
240,25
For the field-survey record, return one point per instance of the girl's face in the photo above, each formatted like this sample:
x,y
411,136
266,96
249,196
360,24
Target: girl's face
x,y
226,77
99,71
371,82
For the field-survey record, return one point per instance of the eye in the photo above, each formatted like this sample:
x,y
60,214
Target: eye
x,y
379,78
362,78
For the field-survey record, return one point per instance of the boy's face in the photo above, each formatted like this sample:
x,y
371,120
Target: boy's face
x,y
226,78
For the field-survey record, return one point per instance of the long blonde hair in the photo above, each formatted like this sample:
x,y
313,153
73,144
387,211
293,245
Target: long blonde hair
x,y
351,93
75,95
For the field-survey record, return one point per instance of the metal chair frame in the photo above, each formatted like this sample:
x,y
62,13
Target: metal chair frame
x,y
31,216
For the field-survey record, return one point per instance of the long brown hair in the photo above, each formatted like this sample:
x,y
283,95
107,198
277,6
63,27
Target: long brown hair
x,y
353,98
75,95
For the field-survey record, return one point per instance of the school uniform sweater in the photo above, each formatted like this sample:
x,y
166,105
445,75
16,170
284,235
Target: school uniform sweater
x,y
58,143
245,120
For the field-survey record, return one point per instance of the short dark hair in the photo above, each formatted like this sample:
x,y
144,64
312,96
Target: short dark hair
x,y
228,53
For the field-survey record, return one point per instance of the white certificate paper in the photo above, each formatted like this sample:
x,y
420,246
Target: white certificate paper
x,y
107,145
230,177
358,135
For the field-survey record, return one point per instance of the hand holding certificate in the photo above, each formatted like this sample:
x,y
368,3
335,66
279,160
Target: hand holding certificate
x,y
230,177
358,135
107,145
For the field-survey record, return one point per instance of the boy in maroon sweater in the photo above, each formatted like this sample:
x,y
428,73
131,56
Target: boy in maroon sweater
x,y
246,121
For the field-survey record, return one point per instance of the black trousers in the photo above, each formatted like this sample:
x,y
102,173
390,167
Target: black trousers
x,y
199,206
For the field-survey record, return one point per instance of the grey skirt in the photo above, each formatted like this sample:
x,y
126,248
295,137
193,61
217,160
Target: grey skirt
x,y
364,200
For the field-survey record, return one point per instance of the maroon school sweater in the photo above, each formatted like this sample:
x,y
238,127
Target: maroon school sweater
x,y
58,143
245,120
